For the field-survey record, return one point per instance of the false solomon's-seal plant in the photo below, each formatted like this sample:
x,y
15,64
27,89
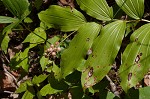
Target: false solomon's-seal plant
x,y
102,37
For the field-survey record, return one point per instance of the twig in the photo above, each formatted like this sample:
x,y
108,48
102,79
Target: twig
x,y
67,37
8,92
34,33
5,57
113,86
145,20
6,71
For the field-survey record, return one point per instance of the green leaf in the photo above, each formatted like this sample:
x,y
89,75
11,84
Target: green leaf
x,y
105,49
5,19
43,62
73,57
22,87
28,20
38,4
17,7
133,8
23,58
6,31
76,92
64,18
56,70
5,42
98,9
29,94
144,93
36,37
110,95
141,93
53,40
135,59
47,89
39,79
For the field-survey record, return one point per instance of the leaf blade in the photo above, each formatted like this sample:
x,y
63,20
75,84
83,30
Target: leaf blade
x,y
110,38
135,58
63,18
98,9
133,8
5,19
78,48
17,7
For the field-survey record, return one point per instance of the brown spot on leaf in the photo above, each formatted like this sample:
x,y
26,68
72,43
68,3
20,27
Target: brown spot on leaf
x,y
94,56
90,73
136,39
98,66
129,76
138,57
88,39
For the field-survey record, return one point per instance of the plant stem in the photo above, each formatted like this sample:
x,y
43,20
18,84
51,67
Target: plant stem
x,y
34,33
67,37
145,20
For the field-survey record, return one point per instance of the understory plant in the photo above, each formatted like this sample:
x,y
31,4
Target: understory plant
x,y
93,40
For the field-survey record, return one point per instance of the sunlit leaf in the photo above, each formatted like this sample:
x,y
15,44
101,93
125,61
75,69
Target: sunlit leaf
x,y
144,92
29,94
36,37
56,70
98,9
21,59
28,20
73,57
43,62
22,88
135,59
105,49
17,7
5,19
5,42
64,18
6,31
39,79
133,8
47,89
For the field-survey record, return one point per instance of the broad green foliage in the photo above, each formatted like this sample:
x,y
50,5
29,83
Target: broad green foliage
x,y
21,59
23,86
135,59
141,93
29,94
47,89
144,92
74,56
39,79
36,37
6,31
4,19
43,62
87,50
5,42
105,49
133,8
98,9
66,19
19,8
56,70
